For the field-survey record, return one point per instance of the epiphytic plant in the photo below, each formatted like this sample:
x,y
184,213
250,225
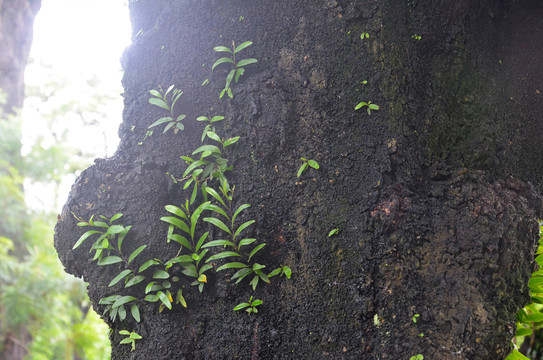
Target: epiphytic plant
x,y
238,66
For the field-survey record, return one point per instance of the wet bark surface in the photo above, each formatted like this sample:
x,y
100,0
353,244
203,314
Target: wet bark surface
x,y
430,193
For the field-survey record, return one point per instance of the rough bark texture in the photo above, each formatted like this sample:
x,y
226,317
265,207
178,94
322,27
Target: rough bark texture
x,y
430,193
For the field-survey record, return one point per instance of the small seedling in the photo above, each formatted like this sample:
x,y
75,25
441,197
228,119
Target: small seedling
x,y
416,37
306,164
250,306
417,357
415,318
333,232
283,269
368,104
131,339
364,35
421,335
238,65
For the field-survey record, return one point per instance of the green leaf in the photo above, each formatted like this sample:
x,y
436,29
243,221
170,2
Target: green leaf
x,y
257,302
135,336
243,227
275,272
287,271
238,210
239,72
176,222
242,46
523,332
231,141
196,216
229,78
160,103
201,240
181,240
151,298
313,164
160,274
194,165
164,299
536,317
210,148
233,265
245,242
333,232
302,169
217,209
192,198
119,277
205,268
213,136
190,270
222,49
360,105
255,250
135,311
216,118
216,195
85,236
263,276
240,274
373,106
218,223
135,280
155,93
179,299
115,217
222,255
124,332
170,88
161,121
241,306
123,300
246,62
126,341
136,253
109,300
516,355
254,282
219,243
109,260
220,61
115,229
121,237
147,264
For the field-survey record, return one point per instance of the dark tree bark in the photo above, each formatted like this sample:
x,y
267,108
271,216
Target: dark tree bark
x,y
431,192
16,29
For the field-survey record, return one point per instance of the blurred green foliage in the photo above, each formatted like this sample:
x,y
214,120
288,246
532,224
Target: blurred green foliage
x,y
44,312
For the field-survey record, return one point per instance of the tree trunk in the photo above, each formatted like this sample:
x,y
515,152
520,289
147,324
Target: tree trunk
x,y
16,26
16,29
430,193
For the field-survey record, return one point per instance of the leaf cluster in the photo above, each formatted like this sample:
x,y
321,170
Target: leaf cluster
x,y
167,100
